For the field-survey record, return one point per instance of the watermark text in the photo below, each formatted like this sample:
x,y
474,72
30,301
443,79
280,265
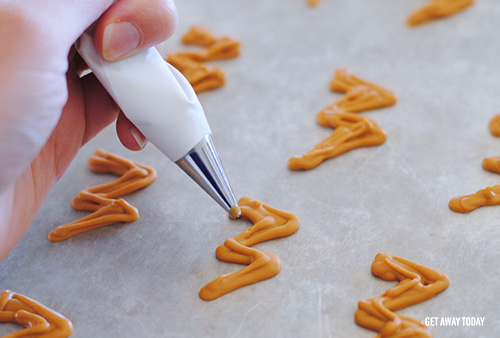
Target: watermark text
x,y
454,321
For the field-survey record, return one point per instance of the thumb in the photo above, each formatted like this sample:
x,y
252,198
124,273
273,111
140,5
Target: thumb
x,y
129,26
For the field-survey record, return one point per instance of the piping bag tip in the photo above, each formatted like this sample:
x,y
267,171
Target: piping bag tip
x,y
234,212
203,165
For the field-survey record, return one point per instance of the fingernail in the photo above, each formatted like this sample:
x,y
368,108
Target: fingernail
x,y
119,39
138,137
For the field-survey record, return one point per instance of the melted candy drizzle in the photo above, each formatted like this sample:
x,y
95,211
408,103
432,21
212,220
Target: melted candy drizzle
x,y
494,125
492,164
484,197
488,196
437,9
192,63
101,199
351,130
268,223
417,284
39,321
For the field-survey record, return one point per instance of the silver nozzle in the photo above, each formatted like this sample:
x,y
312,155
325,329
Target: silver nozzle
x,y
203,165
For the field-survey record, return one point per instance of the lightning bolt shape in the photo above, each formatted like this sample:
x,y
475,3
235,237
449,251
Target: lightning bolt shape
x,y
416,284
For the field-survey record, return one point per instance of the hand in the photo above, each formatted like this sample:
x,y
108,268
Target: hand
x,y
47,112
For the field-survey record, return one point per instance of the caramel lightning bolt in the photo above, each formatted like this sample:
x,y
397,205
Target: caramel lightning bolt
x,y
40,321
417,284
268,223
192,63
102,200
351,130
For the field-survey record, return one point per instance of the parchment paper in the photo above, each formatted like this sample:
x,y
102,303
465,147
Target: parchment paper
x,y
142,279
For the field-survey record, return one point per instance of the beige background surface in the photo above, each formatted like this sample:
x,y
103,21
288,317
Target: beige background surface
x,y
142,279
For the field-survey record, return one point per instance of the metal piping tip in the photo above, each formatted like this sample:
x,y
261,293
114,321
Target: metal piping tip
x,y
203,165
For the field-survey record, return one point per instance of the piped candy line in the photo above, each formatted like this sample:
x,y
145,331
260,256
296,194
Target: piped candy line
x,y
200,75
198,35
268,223
39,321
223,48
492,164
101,199
361,95
417,284
437,9
192,63
494,125
351,130
488,196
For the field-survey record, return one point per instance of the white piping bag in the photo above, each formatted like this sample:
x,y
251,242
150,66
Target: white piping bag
x,y
164,107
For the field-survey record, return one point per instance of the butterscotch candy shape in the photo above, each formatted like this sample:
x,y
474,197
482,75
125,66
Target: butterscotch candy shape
x,y
360,95
200,75
205,78
262,265
268,223
117,211
101,199
351,132
437,9
417,283
192,63
223,48
492,164
485,197
313,3
494,125
39,320
198,36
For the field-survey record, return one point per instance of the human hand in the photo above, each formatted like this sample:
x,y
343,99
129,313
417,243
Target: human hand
x,y
47,111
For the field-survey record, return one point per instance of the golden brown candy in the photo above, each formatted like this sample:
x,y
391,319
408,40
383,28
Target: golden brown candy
x,y
39,321
360,95
192,63
494,125
200,75
488,196
437,9
102,200
484,197
268,223
492,164
198,36
223,48
351,130
417,284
